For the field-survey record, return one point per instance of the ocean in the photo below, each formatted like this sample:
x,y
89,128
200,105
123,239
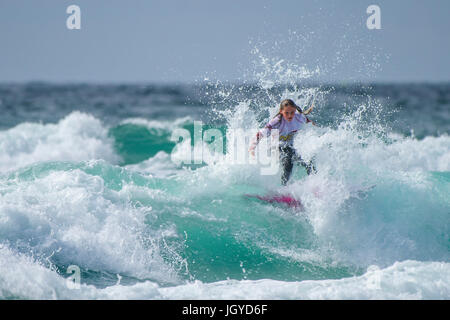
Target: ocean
x,y
101,198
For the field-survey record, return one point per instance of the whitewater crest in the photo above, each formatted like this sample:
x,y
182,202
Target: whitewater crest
x,y
403,280
77,137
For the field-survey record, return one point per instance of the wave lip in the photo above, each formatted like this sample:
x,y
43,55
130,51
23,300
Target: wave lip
x,y
403,280
76,137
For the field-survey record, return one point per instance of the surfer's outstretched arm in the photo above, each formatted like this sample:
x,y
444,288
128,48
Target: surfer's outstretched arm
x,y
265,132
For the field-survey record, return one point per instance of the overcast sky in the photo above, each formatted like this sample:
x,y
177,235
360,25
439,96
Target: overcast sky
x,y
229,40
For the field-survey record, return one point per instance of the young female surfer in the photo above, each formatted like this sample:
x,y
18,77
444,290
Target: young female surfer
x,y
288,121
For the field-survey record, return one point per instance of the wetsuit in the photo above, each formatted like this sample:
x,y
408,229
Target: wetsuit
x,y
287,131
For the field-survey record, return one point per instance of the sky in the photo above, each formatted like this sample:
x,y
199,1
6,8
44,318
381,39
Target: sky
x,y
187,41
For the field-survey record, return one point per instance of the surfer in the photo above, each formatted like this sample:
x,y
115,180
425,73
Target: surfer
x,y
288,121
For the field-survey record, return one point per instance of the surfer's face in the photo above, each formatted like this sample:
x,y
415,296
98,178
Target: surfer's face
x,y
288,113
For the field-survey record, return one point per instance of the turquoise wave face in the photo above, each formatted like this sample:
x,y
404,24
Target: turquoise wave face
x,y
135,143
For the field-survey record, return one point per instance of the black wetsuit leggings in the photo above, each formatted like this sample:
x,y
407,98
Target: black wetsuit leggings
x,y
287,158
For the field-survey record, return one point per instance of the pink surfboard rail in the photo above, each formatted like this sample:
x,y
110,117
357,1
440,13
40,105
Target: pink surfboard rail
x,y
284,199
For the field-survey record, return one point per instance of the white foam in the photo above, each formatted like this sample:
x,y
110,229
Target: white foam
x,y
30,280
77,137
71,214
165,125
403,280
373,200
159,165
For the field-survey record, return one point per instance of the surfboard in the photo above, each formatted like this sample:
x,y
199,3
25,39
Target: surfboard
x,y
282,199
